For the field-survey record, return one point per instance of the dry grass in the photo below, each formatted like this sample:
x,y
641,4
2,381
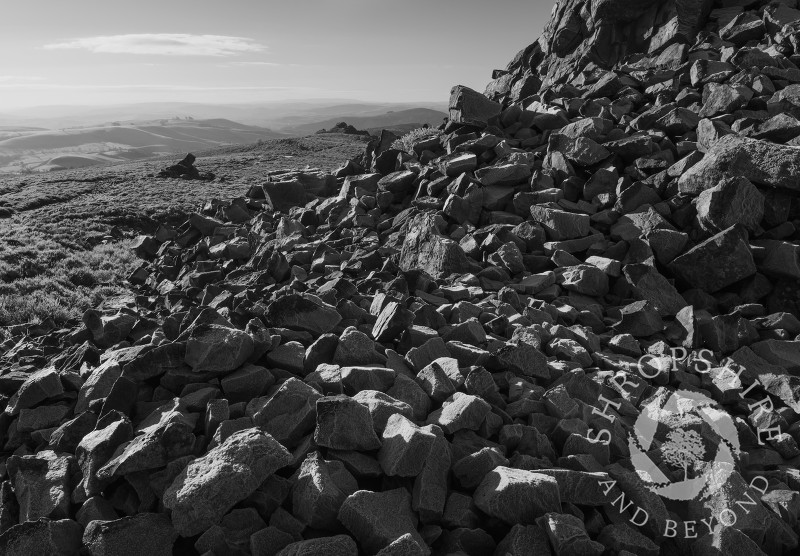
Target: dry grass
x,y
42,276
406,142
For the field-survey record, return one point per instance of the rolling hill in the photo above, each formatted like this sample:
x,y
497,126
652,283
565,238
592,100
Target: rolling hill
x,y
401,120
24,149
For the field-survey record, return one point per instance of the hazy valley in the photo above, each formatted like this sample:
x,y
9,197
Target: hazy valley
x,y
58,138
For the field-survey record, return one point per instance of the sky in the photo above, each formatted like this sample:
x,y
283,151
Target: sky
x,y
106,52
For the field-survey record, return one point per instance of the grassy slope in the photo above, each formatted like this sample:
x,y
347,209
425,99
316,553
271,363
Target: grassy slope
x,y
56,255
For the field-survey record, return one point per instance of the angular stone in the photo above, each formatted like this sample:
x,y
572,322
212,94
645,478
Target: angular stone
x,y
649,285
503,174
392,320
218,348
145,533
94,451
781,258
404,545
621,537
42,484
761,162
567,534
429,494
517,496
425,249
356,348
302,313
523,540
399,183
344,424
639,319
457,163
211,485
42,417
338,545
376,519
57,537
405,447
170,437
439,379
722,98
470,107
66,437
561,225
284,195
98,385
38,386
720,261
321,488
470,470
785,354
461,411
289,413
246,383
381,406
586,279
734,201
524,359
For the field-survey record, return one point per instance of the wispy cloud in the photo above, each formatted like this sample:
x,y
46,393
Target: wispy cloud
x,y
166,44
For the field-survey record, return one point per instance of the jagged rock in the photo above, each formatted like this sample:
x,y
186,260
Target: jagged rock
x,y
321,488
44,536
472,108
288,413
301,313
425,249
734,201
37,387
42,484
405,447
720,261
344,424
144,533
517,496
561,225
376,519
763,163
209,486
218,349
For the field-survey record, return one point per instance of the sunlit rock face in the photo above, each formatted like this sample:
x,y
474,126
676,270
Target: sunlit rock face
x,y
583,34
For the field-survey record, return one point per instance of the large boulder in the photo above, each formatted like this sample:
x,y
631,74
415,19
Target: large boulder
x,y
211,485
761,162
424,248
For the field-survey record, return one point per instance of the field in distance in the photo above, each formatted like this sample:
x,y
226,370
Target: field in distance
x,y
27,149
65,236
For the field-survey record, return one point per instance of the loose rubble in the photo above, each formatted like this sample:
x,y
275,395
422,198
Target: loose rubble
x,y
448,351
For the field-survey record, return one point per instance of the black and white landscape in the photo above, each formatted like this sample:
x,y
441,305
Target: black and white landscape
x,y
563,321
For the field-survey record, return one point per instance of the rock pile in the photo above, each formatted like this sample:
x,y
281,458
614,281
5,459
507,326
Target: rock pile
x,y
344,127
185,169
516,339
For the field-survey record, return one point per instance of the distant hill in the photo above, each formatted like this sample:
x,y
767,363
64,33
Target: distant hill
x,y
403,120
43,150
